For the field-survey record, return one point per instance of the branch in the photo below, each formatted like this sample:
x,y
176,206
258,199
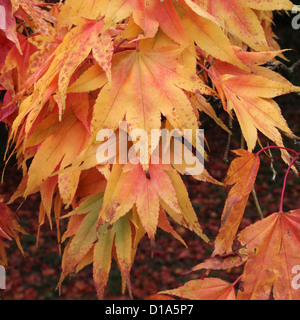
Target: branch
x,y
290,73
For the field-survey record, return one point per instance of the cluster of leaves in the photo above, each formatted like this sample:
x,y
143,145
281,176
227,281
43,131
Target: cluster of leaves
x,y
72,68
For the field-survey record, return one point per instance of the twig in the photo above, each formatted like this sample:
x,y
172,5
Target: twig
x,y
272,166
225,158
257,205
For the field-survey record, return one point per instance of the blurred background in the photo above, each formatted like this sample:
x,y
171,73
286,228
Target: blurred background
x,y
36,275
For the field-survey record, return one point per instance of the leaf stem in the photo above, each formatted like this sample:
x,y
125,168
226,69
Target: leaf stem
x,y
237,280
277,147
203,56
119,44
284,182
257,205
203,276
203,67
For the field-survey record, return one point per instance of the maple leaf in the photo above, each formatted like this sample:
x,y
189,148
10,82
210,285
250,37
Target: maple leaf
x,y
204,289
205,31
272,249
128,186
242,175
144,84
240,18
123,239
60,66
55,149
89,244
250,96
87,37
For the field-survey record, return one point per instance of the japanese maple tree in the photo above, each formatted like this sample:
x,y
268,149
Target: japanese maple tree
x,y
73,68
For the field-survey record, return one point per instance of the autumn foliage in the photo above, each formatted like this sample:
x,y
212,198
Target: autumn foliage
x,y
70,69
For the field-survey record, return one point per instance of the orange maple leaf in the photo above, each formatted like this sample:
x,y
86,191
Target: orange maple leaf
x,y
239,18
89,244
53,141
273,249
242,175
145,84
205,31
129,185
58,69
249,95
